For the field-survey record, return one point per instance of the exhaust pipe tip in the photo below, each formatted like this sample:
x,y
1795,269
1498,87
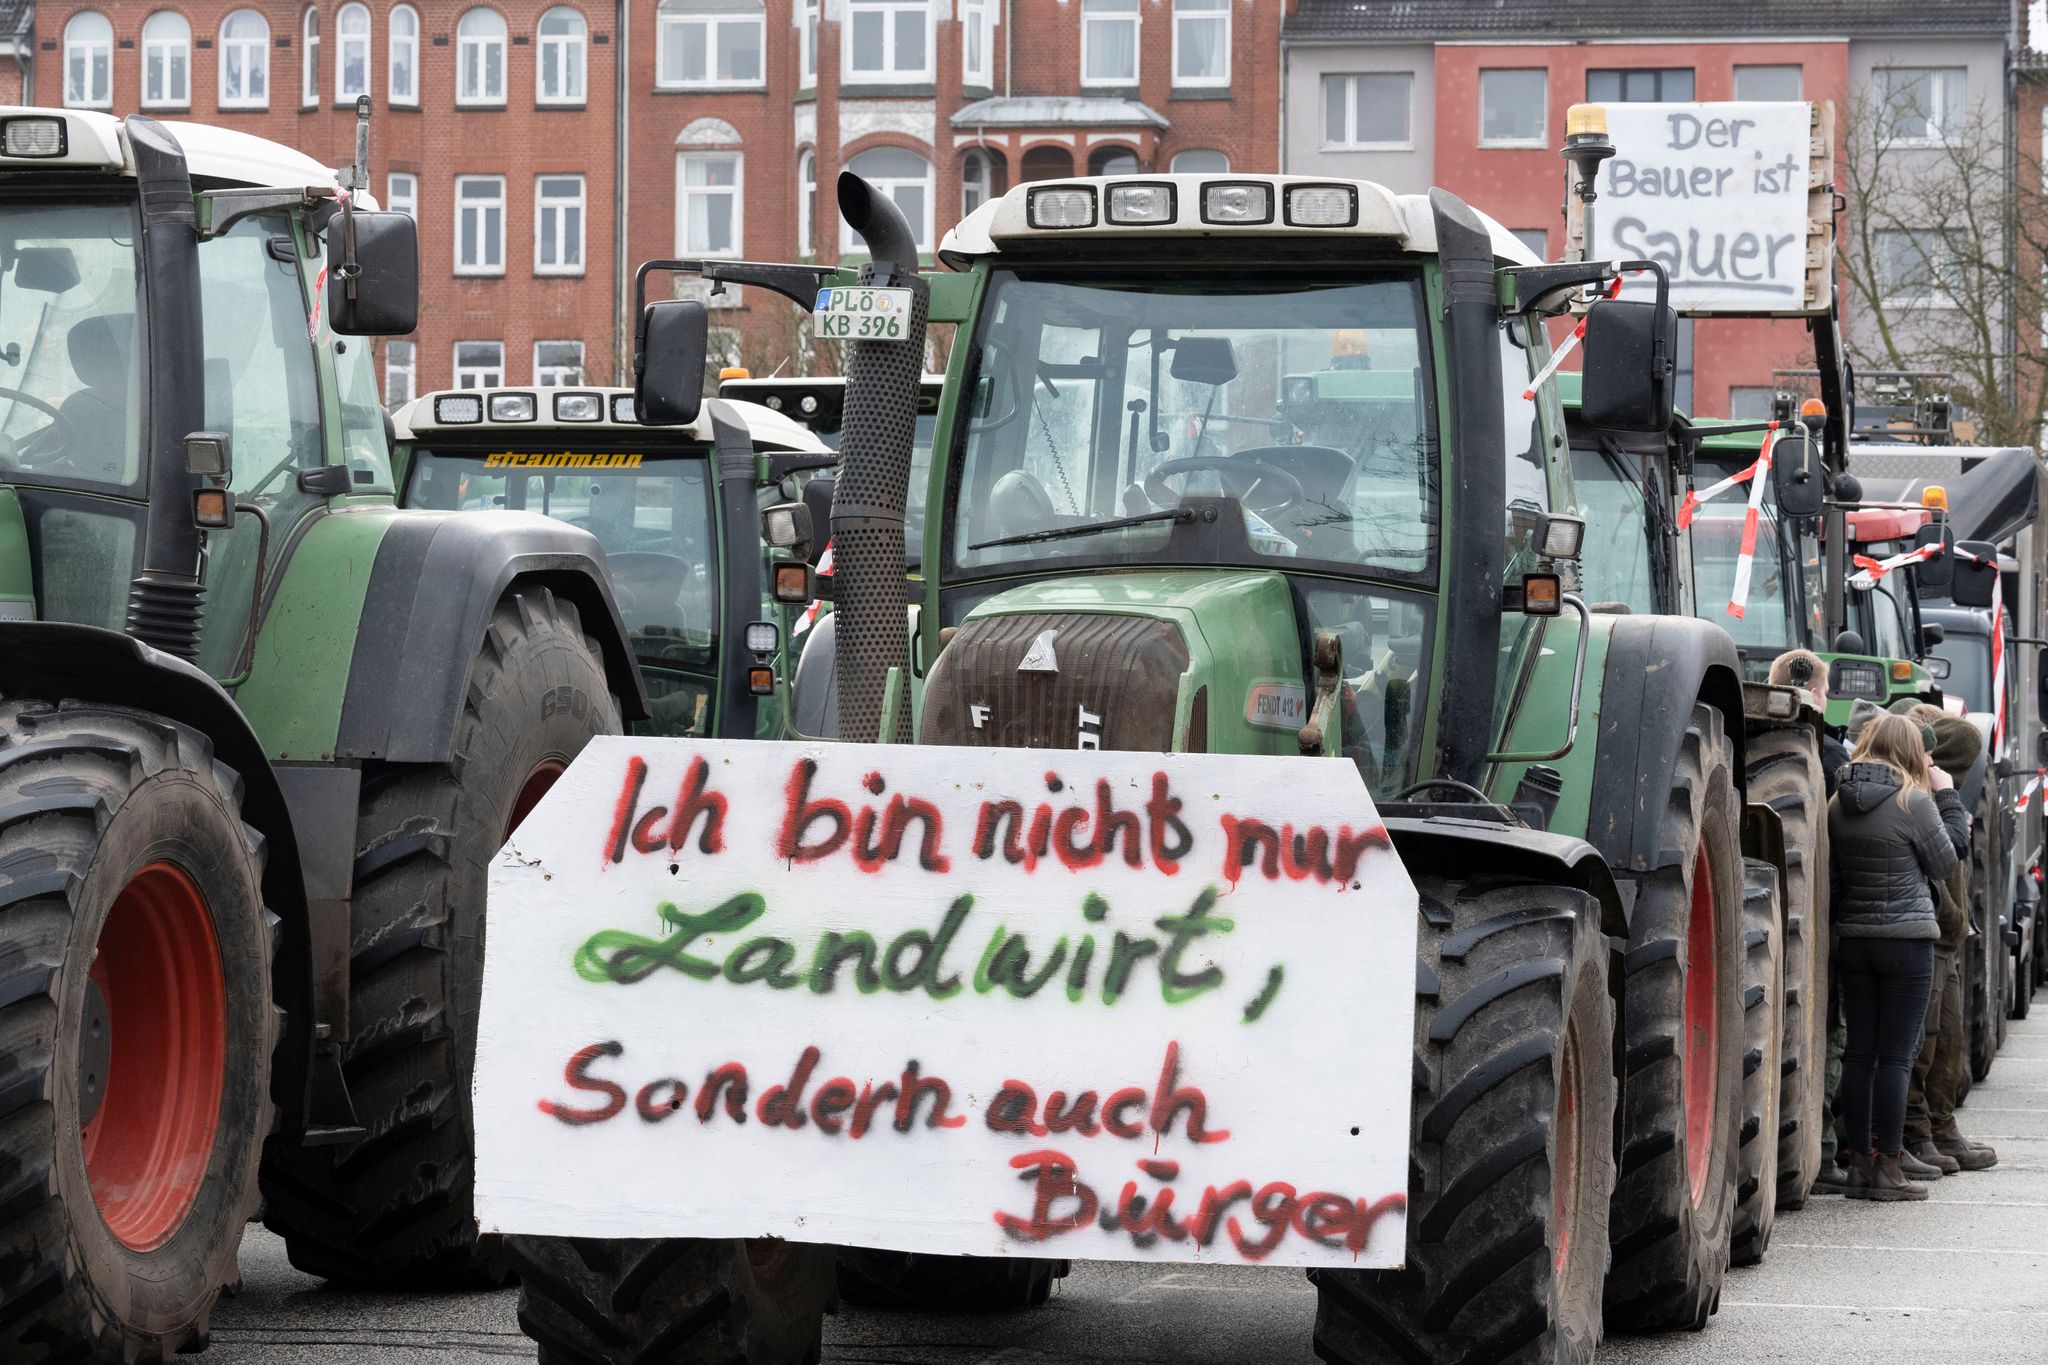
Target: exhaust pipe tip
x,y
879,223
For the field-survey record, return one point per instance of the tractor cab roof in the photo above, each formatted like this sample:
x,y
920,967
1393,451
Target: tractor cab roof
x,y
39,139
1061,213
816,402
581,414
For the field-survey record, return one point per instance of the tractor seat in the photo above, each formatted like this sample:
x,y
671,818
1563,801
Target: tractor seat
x,y
100,349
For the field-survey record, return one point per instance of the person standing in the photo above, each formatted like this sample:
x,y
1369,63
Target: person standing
x,y
1894,826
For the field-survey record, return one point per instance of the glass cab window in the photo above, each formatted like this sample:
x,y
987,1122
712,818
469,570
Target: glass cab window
x,y
654,520
1616,558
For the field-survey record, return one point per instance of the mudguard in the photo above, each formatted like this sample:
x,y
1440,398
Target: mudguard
x,y
437,578
1453,846
1657,666
55,659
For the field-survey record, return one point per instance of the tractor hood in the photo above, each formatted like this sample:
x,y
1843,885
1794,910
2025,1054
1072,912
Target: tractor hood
x,y
1172,660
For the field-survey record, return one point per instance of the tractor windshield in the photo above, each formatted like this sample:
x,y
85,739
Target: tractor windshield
x,y
1969,676
1616,557
70,401
1767,620
1102,406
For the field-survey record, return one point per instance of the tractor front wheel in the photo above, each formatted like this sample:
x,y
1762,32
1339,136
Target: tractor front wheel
x,y
136,1031
395,1208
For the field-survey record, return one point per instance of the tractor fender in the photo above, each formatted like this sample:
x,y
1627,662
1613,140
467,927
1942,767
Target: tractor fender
x,y
1453,847
1657,667
436,580
56,660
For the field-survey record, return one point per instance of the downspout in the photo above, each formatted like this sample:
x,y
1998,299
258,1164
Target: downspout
x,y
1281,132
1007,9
622,26
24,43
2009,224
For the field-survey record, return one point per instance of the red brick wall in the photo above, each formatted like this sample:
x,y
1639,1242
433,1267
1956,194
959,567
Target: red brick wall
x,y
1525,188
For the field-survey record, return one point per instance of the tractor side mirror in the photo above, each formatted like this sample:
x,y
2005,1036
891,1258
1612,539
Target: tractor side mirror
x,y
2041,740
1975,582
1796,473
1936,574
2041,697
1932,634
1629,382
669,348
386,274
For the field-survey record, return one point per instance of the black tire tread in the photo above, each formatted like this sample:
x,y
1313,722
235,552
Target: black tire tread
x,y
1763,1017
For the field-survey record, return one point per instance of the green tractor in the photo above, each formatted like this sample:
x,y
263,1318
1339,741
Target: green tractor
x,y
260,732
1144,533
677,510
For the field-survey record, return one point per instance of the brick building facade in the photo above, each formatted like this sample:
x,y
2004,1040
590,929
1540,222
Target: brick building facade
x,y
540,179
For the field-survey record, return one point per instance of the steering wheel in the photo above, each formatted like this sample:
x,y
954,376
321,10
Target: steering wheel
x,y
28,452
647,584
1283,483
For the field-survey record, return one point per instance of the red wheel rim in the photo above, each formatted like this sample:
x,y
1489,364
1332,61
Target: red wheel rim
x,y
1702,1024
1564,1161
532,790
157,969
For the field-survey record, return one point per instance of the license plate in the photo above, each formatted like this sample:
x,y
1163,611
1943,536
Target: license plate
x,y
862,314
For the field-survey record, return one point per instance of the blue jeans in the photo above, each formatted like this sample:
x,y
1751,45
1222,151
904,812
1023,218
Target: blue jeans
x,y
1884,985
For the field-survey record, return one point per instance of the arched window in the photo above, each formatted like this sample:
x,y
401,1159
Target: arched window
x,y
906,178
806,202
351,52
404,72
563,40
89,61
1201,161
245,61
1112,161
1047,162
166,61
309,60
480,57
981,178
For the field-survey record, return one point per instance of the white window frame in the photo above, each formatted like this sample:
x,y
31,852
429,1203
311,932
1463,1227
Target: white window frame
x,y
255,54
544,205
343,41
309,58
806,202
1353,82
671,26
407,202
1095,24
100,47
893,12
1940,262
540,372
176,51
575,57
482,43
1542,135
808,17
410,369
922,231
462,371
977,20
409,43
686,192
1939,77
1217,12
463,208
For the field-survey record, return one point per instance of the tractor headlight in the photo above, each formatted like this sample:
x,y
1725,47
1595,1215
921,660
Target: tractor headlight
x,y
1134,204
1241,202
1322,206
1856,680
458,409
763,637
513,407
1562,536
622,408
579,407
33,137
1069,207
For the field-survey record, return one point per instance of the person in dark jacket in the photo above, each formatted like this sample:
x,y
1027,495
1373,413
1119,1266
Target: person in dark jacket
x,y
1895,826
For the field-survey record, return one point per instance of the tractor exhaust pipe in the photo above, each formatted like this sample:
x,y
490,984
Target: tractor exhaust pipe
x,y
879,426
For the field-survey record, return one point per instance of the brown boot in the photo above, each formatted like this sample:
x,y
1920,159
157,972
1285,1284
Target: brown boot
x,y
1857,1164
1970,1156
1931,1156
1888,1183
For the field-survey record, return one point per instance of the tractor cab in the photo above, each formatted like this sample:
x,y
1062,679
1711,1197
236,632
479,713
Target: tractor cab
x,y
656,499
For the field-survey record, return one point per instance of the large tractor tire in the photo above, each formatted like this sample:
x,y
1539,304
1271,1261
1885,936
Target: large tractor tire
x,y
1983,955
1674,1200
1763,1027
1511,1153
1784,772
395,1207
907,1282
682,1301
136,1031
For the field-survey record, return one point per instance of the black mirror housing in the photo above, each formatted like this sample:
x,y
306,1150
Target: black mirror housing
x,y
1629,382
387,279
669,350
1973,582
1796,473
1937,573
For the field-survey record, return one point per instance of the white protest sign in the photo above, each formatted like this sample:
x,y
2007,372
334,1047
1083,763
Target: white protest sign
x,y
1722,196
995,1002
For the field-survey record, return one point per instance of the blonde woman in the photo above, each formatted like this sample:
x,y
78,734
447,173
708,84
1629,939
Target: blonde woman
x,y
1895,825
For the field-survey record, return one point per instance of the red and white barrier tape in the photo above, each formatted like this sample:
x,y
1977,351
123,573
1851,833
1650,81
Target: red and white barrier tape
x,y
1688,509
810,616
1873,569
1565,347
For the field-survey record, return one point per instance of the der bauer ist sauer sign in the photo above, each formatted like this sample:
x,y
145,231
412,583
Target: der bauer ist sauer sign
x,y
1725,197
1021,1002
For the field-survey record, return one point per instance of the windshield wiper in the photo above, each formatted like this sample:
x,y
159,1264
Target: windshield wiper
x,y
1180,515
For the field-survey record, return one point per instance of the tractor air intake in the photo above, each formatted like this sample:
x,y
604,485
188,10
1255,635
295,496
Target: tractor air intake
x,y
874,475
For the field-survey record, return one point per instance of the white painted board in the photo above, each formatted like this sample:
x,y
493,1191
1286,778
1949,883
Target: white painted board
x,y
1079,1033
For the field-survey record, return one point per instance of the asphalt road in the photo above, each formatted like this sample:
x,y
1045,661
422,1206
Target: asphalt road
x,y
1963,1277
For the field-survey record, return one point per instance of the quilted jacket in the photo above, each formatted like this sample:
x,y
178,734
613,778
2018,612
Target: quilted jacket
x,y
1882,857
